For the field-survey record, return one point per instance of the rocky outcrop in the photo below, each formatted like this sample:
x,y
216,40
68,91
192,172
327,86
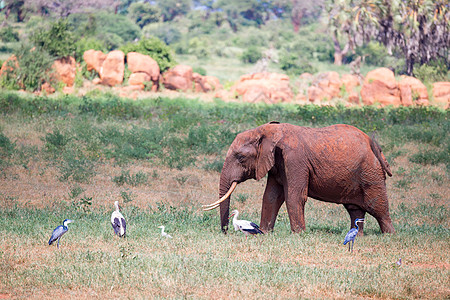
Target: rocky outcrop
x,y
94,59
65,70
144,69
441,94
380,87
265,87
111,72
205,84
412,91
178,78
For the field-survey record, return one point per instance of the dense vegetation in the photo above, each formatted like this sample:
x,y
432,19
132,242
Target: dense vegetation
x,y
293,36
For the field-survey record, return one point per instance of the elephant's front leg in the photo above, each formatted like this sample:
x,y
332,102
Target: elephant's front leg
x,y
272,200
295,204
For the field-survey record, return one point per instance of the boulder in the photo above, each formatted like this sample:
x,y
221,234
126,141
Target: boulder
x,y
94,60
140,63
111,72
178,78
350,82
6,66
139,78
266,87
204,84
326,86
412,90
47,88
381,87
65,70
441,93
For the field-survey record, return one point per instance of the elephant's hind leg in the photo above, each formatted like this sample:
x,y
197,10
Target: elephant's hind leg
x,y
356,212
376,204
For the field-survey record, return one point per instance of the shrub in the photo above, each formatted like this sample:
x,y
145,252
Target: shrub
x,y
58,40
32,70
155,48
143,13
434,71
295,65
118,25
8,34
167,33
375,53
251,55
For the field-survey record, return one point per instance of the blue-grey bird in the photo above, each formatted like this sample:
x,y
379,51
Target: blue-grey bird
x,y
351,235
399,262
118,221
59,232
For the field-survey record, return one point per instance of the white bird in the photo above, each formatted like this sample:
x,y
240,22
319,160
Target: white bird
x,y
164,234
118,221
244,226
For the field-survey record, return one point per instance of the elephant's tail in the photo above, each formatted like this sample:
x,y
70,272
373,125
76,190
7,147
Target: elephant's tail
x,y
376,149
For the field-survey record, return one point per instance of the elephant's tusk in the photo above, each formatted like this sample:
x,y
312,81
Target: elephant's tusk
x,y
216,204
212,207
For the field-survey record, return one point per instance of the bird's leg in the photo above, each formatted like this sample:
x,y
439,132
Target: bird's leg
x,y
349,247
352,245
58,242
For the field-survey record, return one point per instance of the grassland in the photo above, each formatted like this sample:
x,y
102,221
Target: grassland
x,y
73,157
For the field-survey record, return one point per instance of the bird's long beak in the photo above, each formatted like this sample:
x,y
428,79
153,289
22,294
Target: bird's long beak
x,y
69,221
230,216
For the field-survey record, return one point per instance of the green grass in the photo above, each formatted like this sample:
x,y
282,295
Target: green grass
x,y
160,158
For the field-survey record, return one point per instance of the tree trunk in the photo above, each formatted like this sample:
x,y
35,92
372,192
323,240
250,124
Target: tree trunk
x,y
339,53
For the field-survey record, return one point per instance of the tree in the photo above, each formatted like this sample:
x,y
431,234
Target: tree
x,y
419,29
304,8
14,6
172,8
64,8
144,13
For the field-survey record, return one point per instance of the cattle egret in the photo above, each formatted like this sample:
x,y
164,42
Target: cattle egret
x,y
245,226
118,221
399,262
351,235
59,232
164,234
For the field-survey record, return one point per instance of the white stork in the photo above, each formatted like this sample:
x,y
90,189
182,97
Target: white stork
x,y
118,221
164,234
244,226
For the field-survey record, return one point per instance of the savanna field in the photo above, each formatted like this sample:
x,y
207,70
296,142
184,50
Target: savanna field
x,y
71,157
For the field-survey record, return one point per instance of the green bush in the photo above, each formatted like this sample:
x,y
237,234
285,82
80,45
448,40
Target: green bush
x,y
58,40
167,33
143,13
8,34
155,48
251,55
434,71
117,25
32,69
375,53
293,64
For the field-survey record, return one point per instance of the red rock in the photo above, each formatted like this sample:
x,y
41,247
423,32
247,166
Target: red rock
x,y
405,94
178,78
47,88
272,87
205,84
326,86
6,68
350,82
140,63
96,81
139,79
65,70
306,76
94,59
380,87
353,97
441,93
111,72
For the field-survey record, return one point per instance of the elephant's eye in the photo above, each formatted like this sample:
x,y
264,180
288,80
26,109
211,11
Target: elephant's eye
x,y
240,157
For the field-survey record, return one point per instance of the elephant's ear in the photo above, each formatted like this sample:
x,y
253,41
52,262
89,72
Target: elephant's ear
x,y
266,154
